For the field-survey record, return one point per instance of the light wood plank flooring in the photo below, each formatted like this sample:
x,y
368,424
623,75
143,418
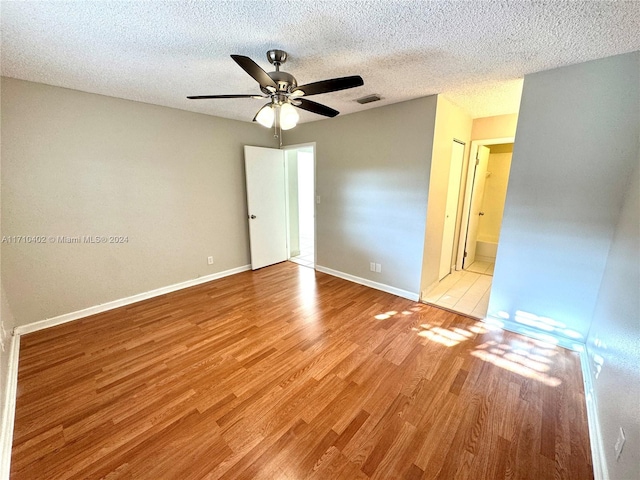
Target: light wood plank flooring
x,y
286,373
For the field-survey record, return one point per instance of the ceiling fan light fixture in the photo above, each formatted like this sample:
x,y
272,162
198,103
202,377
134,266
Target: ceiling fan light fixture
x,y
288,116
266,116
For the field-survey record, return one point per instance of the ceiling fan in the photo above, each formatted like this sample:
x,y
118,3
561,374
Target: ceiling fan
x,y
284,93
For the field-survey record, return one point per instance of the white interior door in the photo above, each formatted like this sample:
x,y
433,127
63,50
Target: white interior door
x,y
479,179
451,209
264,170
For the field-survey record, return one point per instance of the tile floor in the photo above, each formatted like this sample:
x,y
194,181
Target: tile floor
x,y
481,267
306,253
465,291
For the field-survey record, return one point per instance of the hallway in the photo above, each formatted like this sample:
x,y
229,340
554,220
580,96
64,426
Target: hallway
x,y
464,291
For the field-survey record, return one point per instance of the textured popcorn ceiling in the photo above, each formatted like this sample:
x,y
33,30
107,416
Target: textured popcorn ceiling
x,y
475,53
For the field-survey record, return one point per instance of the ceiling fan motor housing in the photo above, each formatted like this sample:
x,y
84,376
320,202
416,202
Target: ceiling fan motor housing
x,y
285,81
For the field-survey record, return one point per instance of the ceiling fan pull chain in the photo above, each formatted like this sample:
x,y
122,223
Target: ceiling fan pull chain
x,y
277,133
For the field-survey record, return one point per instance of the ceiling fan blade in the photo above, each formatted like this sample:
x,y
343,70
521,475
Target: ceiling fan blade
x,y
315,107
200,97
332,85
253,69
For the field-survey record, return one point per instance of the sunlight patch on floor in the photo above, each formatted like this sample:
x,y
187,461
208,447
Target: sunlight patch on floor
x,y
386,315
518,361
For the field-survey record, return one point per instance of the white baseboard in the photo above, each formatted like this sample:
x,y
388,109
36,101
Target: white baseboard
x,y
426,291
600,471
69,317
370,283
9,408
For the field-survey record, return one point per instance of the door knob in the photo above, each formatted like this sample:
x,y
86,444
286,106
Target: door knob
x,y
253,216
481,213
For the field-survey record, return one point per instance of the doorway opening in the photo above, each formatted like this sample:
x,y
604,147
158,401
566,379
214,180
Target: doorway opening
x,y
300,182
466,286
484,199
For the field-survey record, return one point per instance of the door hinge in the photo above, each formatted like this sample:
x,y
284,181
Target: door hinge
x,y
465,255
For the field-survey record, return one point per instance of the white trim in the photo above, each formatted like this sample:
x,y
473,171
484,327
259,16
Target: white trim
x,y
598,458
69,317
370,283
9,409
287,205
299,146
424,293
303,146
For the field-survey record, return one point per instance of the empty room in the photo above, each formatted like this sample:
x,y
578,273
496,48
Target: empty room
x,y
320,240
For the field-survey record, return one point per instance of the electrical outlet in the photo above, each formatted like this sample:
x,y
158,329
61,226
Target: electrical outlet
x,y
318,199
210,260
619,443
378,268
372,266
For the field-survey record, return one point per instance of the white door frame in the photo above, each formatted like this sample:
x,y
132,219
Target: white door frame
x,y
299,146
468,191
455,189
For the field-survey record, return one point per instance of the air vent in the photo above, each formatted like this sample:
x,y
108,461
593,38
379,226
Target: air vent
x,y
368,99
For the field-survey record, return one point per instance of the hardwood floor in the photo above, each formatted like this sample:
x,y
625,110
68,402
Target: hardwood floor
x,y
286,373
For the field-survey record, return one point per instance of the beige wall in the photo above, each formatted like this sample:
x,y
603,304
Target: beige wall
x,y
500,126
74,163
372,174
495,192
451,123
7,322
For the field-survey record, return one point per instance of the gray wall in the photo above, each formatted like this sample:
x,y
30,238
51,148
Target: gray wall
x,y
372,174
75,163
613,343
576,146
7,323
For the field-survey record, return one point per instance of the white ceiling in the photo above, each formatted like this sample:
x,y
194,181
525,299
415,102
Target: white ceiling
x,y
473,52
